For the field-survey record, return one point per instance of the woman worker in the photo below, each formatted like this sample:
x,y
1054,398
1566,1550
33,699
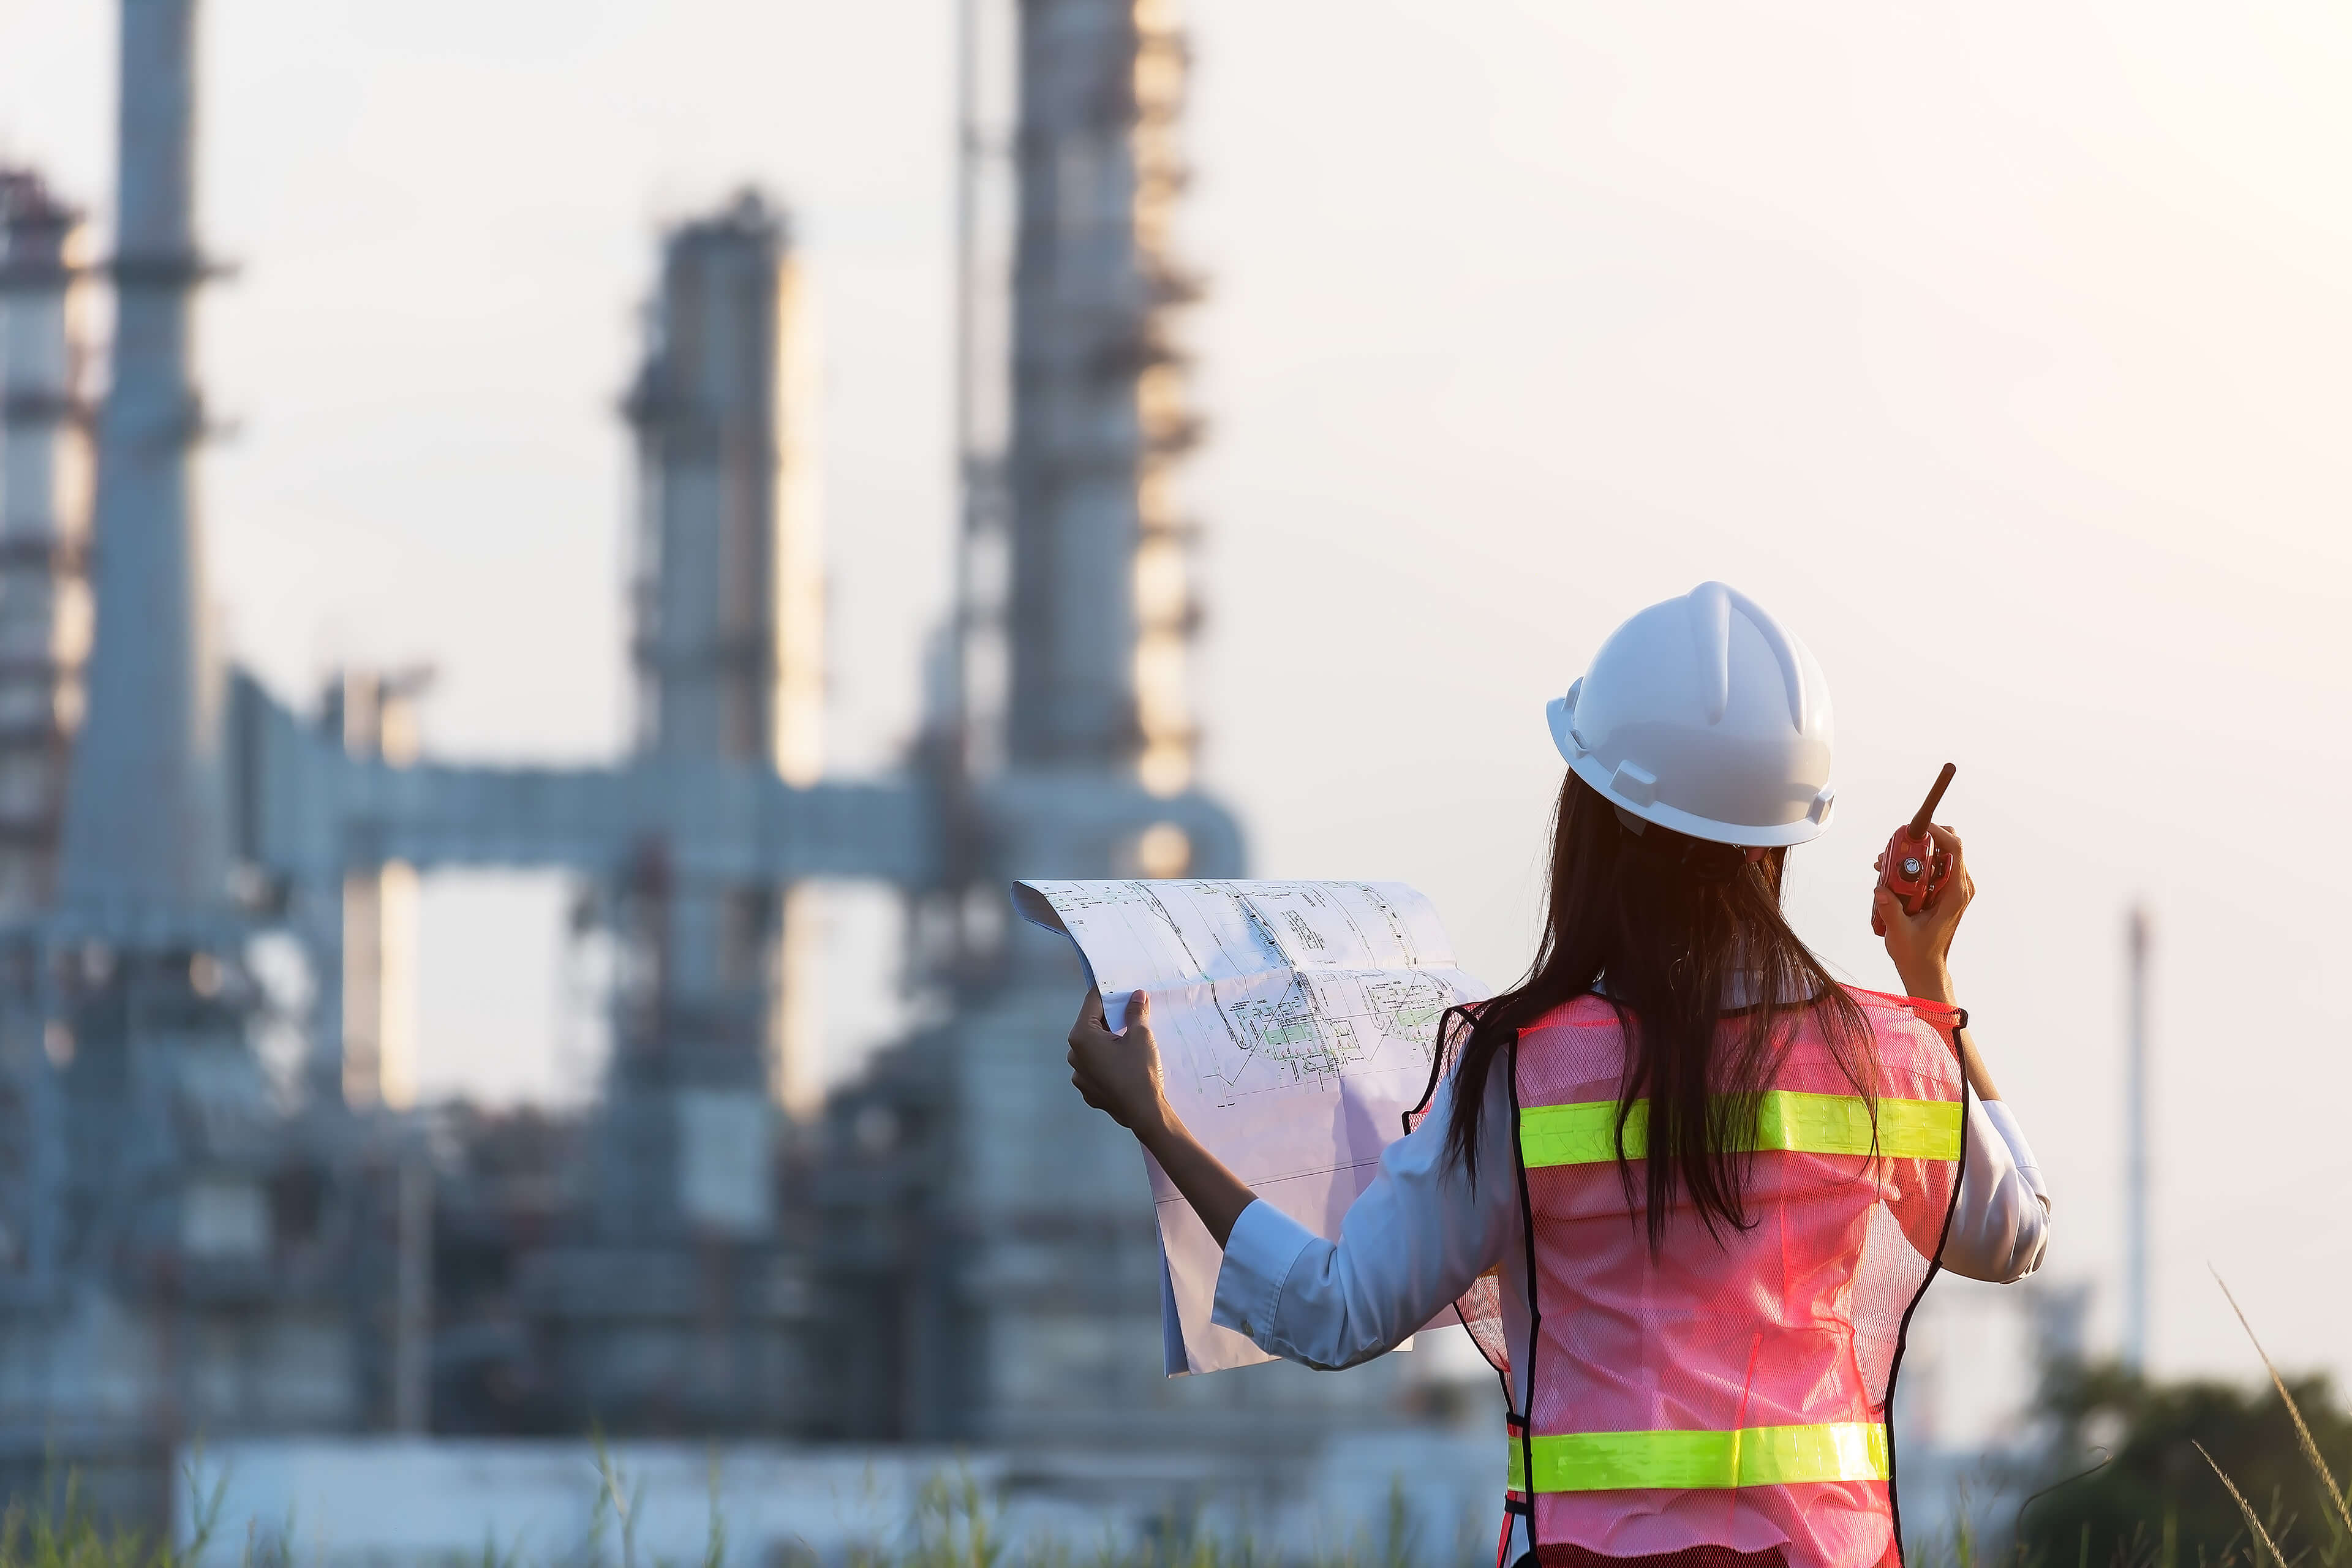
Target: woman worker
x,y
1683,1185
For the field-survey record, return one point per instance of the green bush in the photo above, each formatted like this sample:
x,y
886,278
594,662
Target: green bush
x,y
2190,1475
2152,1498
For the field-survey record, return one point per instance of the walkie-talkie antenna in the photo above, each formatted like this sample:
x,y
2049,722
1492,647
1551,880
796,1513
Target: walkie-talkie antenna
x,y
1935,798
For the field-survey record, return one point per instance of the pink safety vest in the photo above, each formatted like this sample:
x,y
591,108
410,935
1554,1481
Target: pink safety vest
x,y
1724,1402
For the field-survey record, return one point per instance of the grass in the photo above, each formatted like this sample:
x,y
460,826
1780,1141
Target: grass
x,y
955,1523
2151,1493
69,1535
2336,1513
954,1527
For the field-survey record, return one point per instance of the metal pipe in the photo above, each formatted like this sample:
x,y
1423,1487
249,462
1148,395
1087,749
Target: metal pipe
x,y
958,718
2135,1191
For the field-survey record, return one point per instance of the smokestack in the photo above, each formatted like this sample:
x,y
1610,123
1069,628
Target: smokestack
x,y
2136,1196
145,836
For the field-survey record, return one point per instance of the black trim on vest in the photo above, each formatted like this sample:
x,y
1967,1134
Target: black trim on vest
x,y
1935,1267
1437,1063
1534,1301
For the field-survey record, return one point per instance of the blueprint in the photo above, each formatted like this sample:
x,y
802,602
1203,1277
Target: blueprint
x,y
1296,1022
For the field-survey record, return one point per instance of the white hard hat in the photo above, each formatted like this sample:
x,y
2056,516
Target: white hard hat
x,y
1706,715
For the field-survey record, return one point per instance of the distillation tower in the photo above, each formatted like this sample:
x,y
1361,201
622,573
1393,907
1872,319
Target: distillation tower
x,y
1099,613
951,1247
681,1305
993,1266
189,1258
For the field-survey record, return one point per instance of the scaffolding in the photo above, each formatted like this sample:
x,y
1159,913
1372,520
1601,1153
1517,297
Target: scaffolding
x,y
44,499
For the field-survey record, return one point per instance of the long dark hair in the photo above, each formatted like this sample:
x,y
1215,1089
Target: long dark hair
x,y
1661,927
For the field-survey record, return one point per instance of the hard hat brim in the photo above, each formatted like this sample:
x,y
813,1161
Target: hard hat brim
x,y
1746,836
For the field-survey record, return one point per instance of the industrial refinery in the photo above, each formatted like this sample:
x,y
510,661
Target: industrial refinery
x,y
948,1249
238,1246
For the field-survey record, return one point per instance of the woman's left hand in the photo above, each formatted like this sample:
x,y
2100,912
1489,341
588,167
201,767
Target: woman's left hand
x,y
1119,1074
1921,944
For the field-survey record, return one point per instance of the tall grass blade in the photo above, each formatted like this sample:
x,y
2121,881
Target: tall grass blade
x,y
2245,1508
203,1510
2340,1520
714,1547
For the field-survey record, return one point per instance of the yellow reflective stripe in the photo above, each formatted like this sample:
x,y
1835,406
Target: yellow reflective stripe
x,y
1585,1133
1748,1457
1581,1134
1840,1124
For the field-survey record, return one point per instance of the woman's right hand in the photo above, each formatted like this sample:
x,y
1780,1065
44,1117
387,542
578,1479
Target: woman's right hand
x,y
1921,944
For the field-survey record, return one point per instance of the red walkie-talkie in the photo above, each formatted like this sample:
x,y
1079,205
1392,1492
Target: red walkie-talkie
x,y
1907,869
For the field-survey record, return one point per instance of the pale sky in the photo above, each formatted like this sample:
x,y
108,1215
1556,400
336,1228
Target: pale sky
x,y
2001,349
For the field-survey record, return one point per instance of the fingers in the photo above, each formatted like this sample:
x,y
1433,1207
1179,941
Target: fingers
x,y
1956,880
1090,1018
1115,1074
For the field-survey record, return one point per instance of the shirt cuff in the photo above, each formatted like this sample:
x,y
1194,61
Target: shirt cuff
x,y
2005,1123
1263,1247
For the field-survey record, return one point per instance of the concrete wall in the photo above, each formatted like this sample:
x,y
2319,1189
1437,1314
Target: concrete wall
x,y
394,1502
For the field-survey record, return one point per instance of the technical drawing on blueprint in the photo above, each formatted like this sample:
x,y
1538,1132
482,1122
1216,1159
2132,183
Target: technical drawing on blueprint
x,y
1296,1022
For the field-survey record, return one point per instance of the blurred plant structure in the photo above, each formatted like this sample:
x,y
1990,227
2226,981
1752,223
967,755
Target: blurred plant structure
x,y
2126,1485
2142,1474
